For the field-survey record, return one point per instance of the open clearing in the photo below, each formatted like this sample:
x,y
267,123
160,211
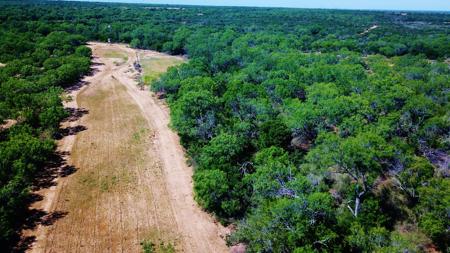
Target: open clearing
x,y
131,183
154,65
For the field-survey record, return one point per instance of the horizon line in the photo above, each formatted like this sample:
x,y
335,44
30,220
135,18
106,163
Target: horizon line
x,y
143,2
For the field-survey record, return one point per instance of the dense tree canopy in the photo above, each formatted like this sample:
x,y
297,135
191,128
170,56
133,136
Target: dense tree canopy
x,y
38,62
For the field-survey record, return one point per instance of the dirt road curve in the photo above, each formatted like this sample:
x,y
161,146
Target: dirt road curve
x,y
130,182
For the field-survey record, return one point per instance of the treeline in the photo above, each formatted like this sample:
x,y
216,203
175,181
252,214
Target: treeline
x,y
36,65
154,27
308,130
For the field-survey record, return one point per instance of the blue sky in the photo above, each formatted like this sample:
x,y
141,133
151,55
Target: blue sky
x,y
437,5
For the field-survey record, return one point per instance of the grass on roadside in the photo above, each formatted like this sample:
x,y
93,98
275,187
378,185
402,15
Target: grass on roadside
x,y
149,247
115,54
153,67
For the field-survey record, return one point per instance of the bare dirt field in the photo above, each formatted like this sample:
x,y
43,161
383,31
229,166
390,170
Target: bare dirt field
x,y
129,181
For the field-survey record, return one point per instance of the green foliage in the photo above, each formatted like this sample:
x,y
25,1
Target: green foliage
x,y
316,132
418,173
368,241
195,115
407,241
275,176
432,210
291,225
221,152
148,246
217,170
273,133
21,155
38,63
210,188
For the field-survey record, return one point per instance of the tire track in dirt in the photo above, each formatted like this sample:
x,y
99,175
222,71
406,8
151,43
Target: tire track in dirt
x,y
202,233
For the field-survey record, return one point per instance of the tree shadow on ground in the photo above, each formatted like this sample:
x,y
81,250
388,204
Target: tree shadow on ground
x,y
80,84
75,114
36,217
56,167
63,132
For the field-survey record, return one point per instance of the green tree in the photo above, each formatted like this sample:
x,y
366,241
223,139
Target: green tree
x,y
432,210
211,188
360,157
195,115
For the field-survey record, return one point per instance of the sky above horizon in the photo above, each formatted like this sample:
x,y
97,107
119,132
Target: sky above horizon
x,y
429,5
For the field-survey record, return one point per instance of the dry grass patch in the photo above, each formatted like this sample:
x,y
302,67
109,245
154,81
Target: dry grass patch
x,y
154,66
118,56
117,198
115,54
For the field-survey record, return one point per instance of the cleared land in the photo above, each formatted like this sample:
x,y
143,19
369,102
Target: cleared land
x,y
154,65
131,182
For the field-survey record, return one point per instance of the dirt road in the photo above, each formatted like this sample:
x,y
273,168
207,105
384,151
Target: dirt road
x,y
131,182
